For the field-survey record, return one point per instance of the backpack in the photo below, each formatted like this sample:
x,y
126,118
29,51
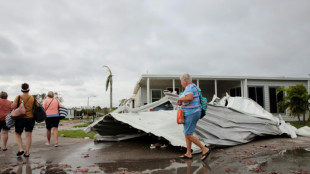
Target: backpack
x,y
203,103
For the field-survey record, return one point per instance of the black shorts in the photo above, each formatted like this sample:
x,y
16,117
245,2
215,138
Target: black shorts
x,y
3,126
52,122
24,123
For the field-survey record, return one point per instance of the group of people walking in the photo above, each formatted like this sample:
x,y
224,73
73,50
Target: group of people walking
x,y
189,101
27,123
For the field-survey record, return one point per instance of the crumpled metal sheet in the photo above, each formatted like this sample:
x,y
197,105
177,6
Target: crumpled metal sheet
x,y
240,121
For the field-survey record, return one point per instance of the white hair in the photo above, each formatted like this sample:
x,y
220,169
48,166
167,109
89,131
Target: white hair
x,y
186,77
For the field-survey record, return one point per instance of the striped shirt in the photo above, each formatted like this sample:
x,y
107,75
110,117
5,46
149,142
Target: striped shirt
x,y
194,105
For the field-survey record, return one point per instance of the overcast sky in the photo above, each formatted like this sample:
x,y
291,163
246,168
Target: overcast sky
x,y
62,45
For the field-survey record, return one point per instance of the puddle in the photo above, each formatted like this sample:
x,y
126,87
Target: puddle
x,y
155,166
290,160
286,161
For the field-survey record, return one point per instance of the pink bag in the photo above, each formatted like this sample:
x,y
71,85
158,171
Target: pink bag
x,y
20,111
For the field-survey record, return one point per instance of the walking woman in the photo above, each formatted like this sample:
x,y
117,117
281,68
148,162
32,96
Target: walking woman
x,y
51,106
27,122
5,108
190,103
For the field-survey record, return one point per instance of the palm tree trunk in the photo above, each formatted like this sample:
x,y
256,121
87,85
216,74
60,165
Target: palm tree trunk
x,y
298,116
304,117
110,95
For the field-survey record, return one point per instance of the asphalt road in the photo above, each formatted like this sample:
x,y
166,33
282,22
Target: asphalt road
x,y
268,155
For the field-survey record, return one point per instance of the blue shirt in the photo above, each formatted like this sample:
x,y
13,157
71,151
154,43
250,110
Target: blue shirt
x,y
194,105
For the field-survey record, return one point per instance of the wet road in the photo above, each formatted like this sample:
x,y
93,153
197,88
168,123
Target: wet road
x,y
273,155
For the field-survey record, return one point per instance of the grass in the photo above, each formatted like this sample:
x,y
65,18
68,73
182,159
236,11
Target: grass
x,y
75,134
298,124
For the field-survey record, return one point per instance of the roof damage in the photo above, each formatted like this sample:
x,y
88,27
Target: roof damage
x,y
229,121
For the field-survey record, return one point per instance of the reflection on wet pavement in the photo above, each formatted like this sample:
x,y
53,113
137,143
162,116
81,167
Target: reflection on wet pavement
x,y
154,167
137,157
285,161
294,160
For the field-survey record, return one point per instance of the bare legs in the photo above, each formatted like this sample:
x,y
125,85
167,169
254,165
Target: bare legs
x,y
191,139
49,135
4,139
20,142
55,131
28,142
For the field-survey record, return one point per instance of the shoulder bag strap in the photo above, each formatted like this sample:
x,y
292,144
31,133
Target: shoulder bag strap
x,y
199,95
18,101
27,100
49,104
22,100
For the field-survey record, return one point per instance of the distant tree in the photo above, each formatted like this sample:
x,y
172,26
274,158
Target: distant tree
x,y
58,97
98,108
296,100
41,97
109,82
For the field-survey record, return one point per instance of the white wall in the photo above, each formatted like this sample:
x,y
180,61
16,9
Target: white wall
x,y
138,99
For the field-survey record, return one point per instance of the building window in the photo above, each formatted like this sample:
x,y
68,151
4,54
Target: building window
x,y
235,92
156,94
275,99
256,93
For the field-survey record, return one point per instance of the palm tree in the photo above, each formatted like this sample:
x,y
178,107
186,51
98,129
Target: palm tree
x,y
109,81
296,100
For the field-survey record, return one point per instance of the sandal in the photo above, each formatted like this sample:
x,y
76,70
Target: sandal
x,y
185,157
27,156
5,149
205,155
20,153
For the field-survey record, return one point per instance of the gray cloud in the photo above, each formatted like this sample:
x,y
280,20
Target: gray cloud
x,y
62,46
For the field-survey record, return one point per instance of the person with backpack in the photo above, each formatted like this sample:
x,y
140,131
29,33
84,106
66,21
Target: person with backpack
x,y
5,108
190,104
51,106
26,122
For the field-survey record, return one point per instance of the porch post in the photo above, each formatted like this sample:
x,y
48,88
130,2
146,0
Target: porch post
x,y
198,83
215,87
173,85
148,90
242,88
246,88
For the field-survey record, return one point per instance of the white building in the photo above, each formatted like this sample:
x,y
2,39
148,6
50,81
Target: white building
x,y
261,89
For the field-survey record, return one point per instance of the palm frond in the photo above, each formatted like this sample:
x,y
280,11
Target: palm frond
x,y
108,69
